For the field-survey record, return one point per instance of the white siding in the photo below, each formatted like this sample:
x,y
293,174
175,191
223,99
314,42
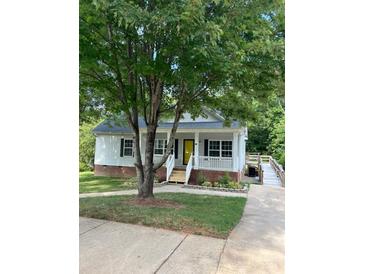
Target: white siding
x,y
107,148
107,151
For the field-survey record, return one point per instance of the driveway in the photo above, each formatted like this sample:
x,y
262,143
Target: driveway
x,y
256,245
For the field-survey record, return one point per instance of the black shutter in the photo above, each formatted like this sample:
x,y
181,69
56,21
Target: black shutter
x,y
206,147
121,147
176,147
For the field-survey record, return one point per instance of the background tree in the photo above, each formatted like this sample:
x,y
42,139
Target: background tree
x,y
267,128
86,145
154,58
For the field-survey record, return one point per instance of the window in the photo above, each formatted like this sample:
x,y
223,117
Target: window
x,y
160,146
214,148
220,148
226,148
128,147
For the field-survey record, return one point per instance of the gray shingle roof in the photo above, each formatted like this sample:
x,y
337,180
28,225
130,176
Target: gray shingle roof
x,y
111,127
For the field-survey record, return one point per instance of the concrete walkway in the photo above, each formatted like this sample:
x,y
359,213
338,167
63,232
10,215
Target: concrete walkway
x,y
256,245
167,188
109,247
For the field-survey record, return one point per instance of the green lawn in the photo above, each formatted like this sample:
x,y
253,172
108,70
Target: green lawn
x,y
90,183
198,214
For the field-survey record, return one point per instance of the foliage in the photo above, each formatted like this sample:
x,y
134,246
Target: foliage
x,y
207,184
86,146
90,107
234,185
277,145
224,180
200,178
267,132
90,183
198,214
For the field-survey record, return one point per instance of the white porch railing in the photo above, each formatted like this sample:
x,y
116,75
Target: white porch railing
x,y
170,164
189,167
215,163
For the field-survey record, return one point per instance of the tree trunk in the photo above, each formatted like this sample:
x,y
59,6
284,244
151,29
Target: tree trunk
x,y
146,190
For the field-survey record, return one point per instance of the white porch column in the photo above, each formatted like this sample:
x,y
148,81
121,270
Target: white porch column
x,y
235,151
196,150
167,137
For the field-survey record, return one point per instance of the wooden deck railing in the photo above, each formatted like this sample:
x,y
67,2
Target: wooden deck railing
x,y
278,170
255,159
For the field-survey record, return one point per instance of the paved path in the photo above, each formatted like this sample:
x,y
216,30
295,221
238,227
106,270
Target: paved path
x,y
270,177
256,245
167,188
109,247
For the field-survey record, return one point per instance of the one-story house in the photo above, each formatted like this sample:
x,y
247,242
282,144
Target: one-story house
x,y
202,145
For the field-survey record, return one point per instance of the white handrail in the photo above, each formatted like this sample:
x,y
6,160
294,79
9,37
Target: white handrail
x,y
170,164
189,167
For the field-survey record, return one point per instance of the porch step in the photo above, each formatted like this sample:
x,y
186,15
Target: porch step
x,y
177,176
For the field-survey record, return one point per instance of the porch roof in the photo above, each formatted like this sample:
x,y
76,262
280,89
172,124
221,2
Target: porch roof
x,y
111,127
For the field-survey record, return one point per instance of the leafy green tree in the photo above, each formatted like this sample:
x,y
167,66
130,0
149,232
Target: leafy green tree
x,y
157,58
86,145
267,130
277,141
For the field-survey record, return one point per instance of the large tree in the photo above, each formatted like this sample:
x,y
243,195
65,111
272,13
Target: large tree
x,y
155,58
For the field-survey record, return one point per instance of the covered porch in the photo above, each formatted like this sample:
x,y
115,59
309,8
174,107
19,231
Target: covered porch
x,y
200,150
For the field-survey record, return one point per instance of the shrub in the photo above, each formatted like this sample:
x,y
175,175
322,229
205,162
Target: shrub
x,y
208,184
200,179
84,167
234,185
224,180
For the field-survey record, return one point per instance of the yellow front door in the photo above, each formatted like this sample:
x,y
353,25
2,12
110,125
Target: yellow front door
x,y
188,150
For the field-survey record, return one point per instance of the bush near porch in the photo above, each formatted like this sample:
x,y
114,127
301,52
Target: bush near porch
x,y
205,215
224,181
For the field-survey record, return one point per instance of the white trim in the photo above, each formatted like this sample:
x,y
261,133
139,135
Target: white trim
x,y
196,149
163,148
124,155
181,130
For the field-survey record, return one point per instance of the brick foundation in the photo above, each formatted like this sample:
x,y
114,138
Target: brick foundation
x,y
212,175
121,171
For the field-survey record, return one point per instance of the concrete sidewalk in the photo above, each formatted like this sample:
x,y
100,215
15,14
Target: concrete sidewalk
x,y
167,188
109,247
256,244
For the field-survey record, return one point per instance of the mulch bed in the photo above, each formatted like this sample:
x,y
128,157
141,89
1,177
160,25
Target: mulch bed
x,y
154,203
